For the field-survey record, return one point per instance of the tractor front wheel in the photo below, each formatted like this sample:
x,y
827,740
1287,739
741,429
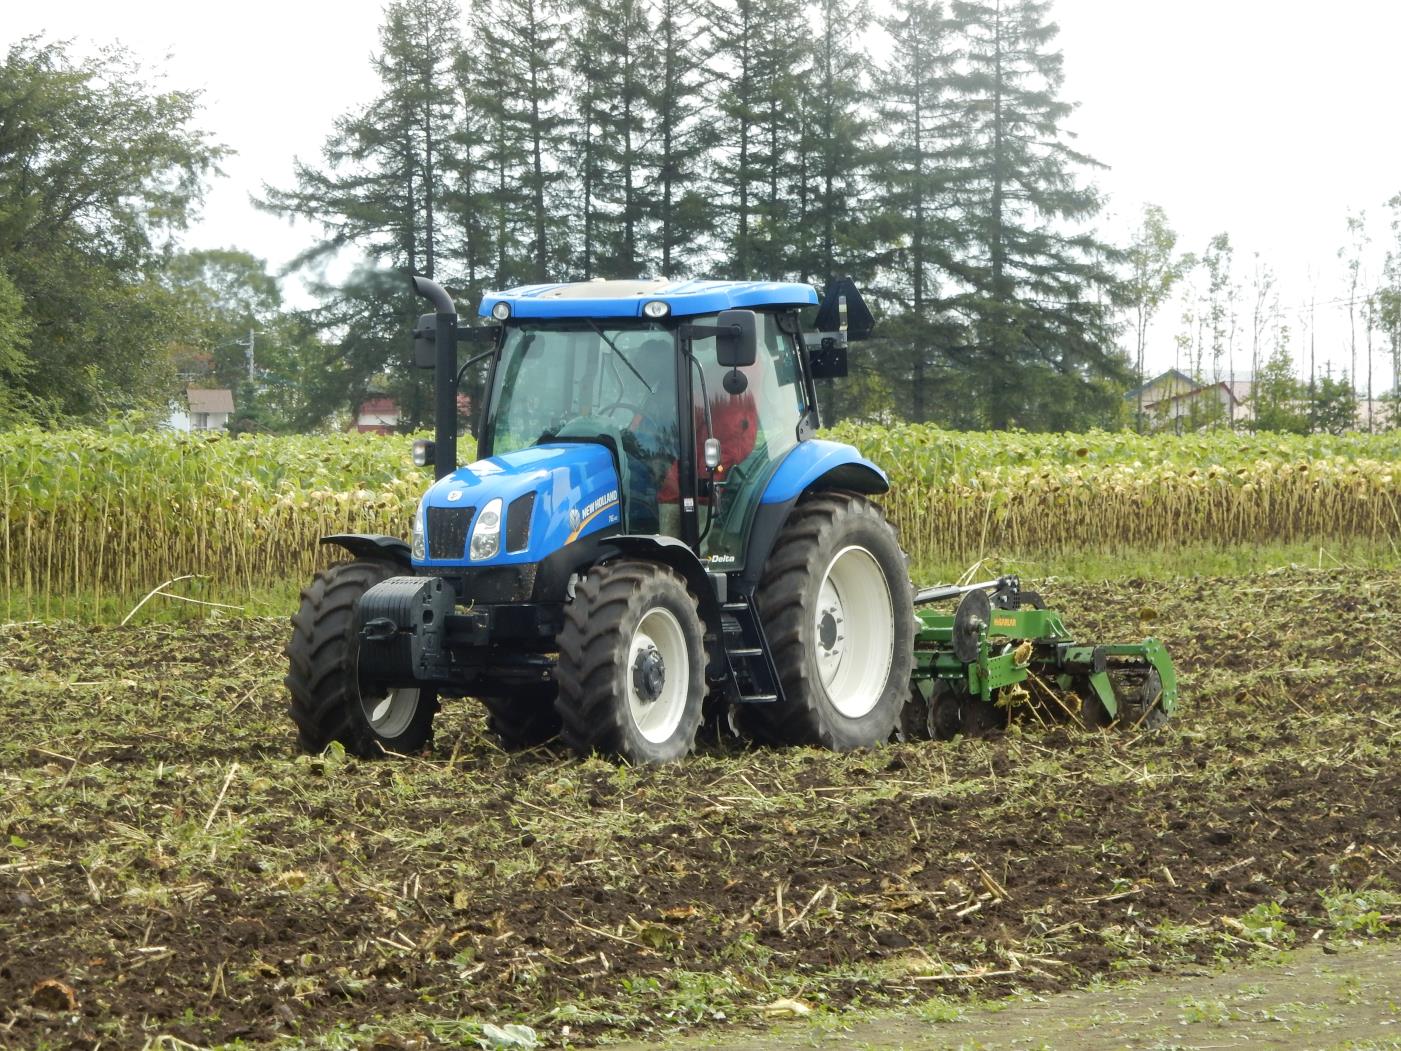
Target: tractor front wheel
x,y
631,664
328,701
839,615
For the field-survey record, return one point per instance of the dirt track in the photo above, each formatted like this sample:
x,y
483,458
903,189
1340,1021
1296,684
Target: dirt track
x,y
1306,999
171,867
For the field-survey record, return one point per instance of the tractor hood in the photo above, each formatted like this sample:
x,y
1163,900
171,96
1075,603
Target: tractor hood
x,y
543,497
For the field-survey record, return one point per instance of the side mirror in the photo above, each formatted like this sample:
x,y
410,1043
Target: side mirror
x,y
737,344
425,342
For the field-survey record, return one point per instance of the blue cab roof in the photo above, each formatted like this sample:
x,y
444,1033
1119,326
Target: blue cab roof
x,y
615,299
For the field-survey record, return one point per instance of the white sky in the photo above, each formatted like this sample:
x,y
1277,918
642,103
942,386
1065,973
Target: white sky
x,y
1268,119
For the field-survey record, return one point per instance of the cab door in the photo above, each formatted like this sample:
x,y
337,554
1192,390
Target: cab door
x,y
756,428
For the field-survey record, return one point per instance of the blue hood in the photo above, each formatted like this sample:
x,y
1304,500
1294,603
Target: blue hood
x,y
576,493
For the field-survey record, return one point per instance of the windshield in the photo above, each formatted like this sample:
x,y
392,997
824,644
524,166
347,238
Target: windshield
x,y
582,380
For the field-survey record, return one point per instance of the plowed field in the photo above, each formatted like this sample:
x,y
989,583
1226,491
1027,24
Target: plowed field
x,y
170,869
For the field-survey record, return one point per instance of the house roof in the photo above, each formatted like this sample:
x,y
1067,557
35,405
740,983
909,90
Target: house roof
x,y
379,406
1176,374
211,401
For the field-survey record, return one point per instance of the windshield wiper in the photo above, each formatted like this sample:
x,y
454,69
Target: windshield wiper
x,y
621,356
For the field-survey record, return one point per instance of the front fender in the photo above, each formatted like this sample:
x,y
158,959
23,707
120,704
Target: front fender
x,y
374,546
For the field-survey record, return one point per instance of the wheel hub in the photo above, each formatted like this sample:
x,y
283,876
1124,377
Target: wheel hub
x,y
827,626
649,673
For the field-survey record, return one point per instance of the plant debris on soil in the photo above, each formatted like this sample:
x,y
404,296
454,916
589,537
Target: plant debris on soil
x,y
170,868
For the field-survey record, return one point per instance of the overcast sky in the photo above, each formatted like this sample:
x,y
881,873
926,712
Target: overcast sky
x,y
1268,119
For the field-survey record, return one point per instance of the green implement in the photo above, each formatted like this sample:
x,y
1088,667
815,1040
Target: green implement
x,y
1002,651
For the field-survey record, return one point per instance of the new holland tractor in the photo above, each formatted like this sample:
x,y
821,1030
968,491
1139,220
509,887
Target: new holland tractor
x,y
650,523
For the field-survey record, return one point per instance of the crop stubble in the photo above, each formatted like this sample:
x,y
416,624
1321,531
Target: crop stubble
x,y
173,865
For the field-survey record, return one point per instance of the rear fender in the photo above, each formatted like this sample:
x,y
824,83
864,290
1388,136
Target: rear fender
x,y
812,466
374,546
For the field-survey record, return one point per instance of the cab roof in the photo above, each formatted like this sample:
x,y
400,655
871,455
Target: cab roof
x,y
615,299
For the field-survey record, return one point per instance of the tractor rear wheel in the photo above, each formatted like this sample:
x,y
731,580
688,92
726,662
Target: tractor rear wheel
x,y
838,612
328,702
525,720
631,664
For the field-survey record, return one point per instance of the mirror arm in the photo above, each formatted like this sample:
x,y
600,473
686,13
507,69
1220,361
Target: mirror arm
x,y
704,331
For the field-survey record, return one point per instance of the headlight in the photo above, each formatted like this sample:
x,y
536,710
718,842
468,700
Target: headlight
x,y
486,532
501,310
420,550
657,308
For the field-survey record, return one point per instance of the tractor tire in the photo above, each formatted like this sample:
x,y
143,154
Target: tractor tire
x,y
631,665
838,612
525,720
323,655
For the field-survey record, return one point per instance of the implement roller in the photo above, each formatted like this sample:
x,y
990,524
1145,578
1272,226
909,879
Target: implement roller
x,y
1002,652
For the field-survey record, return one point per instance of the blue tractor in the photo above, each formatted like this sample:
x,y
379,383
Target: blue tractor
x,y
652,533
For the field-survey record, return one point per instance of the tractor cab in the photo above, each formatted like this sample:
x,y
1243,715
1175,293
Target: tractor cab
x,y
691,436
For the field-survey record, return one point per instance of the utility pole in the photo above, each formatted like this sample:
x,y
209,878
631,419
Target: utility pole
x,y
252,373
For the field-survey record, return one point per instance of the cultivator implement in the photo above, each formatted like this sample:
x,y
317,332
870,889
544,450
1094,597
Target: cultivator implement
x,y
1003,654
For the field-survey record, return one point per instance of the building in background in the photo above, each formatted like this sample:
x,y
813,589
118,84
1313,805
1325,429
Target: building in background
x,y
1175,401
377,415
204,410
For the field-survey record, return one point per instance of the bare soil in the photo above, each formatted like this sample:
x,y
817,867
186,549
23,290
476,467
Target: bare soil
x,y
169,868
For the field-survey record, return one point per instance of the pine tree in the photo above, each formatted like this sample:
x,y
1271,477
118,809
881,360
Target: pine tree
x,y
381,192
758,109
684,137
1036,277
835,154
467,199
520,92
615,59
913,226
379,188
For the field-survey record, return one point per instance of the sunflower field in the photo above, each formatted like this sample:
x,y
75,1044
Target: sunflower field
x,y
116,513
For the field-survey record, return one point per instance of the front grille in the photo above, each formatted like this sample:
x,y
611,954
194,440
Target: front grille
x,y
447,531
518,522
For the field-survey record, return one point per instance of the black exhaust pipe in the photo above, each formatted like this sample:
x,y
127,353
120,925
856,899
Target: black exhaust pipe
x,y
444,376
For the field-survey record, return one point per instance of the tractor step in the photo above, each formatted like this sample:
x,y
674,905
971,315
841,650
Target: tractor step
x,y
753,677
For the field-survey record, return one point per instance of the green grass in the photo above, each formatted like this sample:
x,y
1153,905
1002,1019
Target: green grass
x,y
280,598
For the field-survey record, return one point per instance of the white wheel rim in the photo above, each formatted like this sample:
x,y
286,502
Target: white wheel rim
x,y
657,719
389,712
854,629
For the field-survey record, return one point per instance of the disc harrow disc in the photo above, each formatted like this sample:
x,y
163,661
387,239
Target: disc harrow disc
x,y
973,616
